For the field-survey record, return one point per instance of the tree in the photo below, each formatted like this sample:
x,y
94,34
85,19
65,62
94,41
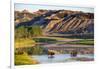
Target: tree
x,y
28,32
21,32
35,31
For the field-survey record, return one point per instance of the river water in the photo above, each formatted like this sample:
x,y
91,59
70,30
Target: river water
x,y
61,58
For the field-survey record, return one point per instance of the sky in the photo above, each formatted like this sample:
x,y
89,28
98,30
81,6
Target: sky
x,y
35,7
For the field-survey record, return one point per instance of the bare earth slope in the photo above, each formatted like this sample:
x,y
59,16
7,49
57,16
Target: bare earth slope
x,y
60,21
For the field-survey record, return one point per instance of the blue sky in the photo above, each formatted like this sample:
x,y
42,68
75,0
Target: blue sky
x,y
34,7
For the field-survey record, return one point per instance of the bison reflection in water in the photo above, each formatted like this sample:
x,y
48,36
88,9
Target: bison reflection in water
x,y
74,53
51,54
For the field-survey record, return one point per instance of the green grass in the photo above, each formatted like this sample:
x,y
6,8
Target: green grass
x,y
24,59
47,40
83,42
24,43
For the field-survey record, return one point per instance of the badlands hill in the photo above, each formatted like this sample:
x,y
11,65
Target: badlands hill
x,y
57,21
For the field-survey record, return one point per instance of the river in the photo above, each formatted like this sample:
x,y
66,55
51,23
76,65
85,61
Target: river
x,y
62,58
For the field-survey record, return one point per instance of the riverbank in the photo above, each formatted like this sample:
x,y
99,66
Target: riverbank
x,y
24,59
19,43
41,45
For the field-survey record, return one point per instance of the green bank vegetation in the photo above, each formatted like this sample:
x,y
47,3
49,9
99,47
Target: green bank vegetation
x,y
23,39
83,42
46,40
24,43
24,59
35,50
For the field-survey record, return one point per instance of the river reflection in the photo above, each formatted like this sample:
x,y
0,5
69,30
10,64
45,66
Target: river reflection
x,y
61,58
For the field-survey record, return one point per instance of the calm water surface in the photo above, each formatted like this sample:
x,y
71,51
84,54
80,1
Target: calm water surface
x,y
59,58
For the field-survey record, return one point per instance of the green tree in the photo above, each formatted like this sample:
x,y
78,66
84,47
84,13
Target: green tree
x,y
28,32
21,32
35,31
